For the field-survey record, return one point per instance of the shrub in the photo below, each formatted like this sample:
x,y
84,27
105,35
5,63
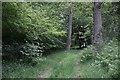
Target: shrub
x,y
10,52
105,58
87,54
108,58
31,50
25,52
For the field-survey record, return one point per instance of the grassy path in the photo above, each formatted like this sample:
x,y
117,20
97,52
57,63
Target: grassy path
x,y
46,73
77,69
61,64
67,67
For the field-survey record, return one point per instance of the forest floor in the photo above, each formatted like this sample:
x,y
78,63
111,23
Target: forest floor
x,y
59,64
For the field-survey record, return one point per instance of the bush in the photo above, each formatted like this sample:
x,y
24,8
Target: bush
x,y
87,54
11,52
108,58
31,50
25,52
105,58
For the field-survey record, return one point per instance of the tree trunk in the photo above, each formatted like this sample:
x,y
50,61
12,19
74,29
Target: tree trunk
x,y
69,29
97,29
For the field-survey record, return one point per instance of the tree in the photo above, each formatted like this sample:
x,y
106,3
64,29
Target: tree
x,y
97,29
22,23
69,29
25,24
82,22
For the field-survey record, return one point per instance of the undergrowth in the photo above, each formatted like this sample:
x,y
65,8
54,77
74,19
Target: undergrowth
x,y
93,64
106,58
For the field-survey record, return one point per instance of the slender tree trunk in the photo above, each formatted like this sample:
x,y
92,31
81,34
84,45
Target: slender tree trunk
x,y
97,29
69,29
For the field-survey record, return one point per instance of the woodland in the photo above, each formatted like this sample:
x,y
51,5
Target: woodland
x,y
60,40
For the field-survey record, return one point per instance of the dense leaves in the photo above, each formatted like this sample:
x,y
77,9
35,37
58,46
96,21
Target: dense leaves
x,y
29,22
107,58
33,20
82,22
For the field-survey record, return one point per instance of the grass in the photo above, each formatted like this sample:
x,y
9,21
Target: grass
x,y
63,64
16,70
88,71
65,68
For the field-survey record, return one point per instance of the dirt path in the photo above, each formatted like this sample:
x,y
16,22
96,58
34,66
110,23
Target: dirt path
x,y
77,69
77,66
46,73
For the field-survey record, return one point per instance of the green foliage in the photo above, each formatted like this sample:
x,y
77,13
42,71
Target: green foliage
x,y
48,24
66,67
108,59
25,52
82,21
87,54
105,58
16,69
32,50
33,21
11,52
110,22
116,7
11,25
63,64
88,71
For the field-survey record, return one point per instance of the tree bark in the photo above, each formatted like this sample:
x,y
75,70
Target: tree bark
x,y
69,28
97,29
